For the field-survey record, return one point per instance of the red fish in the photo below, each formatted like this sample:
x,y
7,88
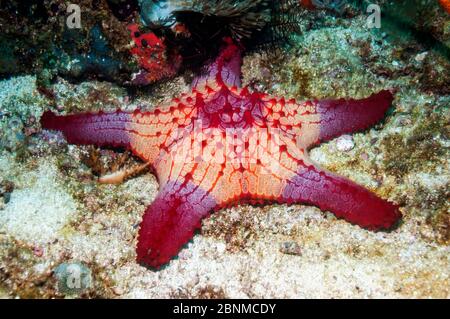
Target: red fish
x,y
445,4
307,4
153,57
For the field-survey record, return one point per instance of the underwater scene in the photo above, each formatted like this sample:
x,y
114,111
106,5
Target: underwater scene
x,y
215,149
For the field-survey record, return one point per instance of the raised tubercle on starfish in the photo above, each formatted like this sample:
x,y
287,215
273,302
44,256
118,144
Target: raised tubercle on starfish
x,y
220,144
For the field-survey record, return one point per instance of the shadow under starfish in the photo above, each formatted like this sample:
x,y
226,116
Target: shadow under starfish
x,y
221,145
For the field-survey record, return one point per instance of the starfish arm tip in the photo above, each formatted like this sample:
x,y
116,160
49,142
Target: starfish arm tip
x,y
342,197
344,116
171,221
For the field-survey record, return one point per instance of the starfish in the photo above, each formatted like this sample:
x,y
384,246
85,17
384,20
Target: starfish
x,y
221,144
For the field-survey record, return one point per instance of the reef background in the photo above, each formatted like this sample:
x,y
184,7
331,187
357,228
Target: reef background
x,y
53,212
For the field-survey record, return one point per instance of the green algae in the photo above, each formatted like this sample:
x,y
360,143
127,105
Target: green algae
x,y
19,103
403,155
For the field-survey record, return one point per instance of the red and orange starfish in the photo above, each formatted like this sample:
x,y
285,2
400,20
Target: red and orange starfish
x,y
220,145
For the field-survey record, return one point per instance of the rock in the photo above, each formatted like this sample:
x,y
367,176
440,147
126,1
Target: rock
x,y
291,248
38,251
345,143
73,278
118,291
421,56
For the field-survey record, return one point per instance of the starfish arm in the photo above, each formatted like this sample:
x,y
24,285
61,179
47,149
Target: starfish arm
x,y
170,222
145,133
340,196
344,116
224,70
313,122
102,129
